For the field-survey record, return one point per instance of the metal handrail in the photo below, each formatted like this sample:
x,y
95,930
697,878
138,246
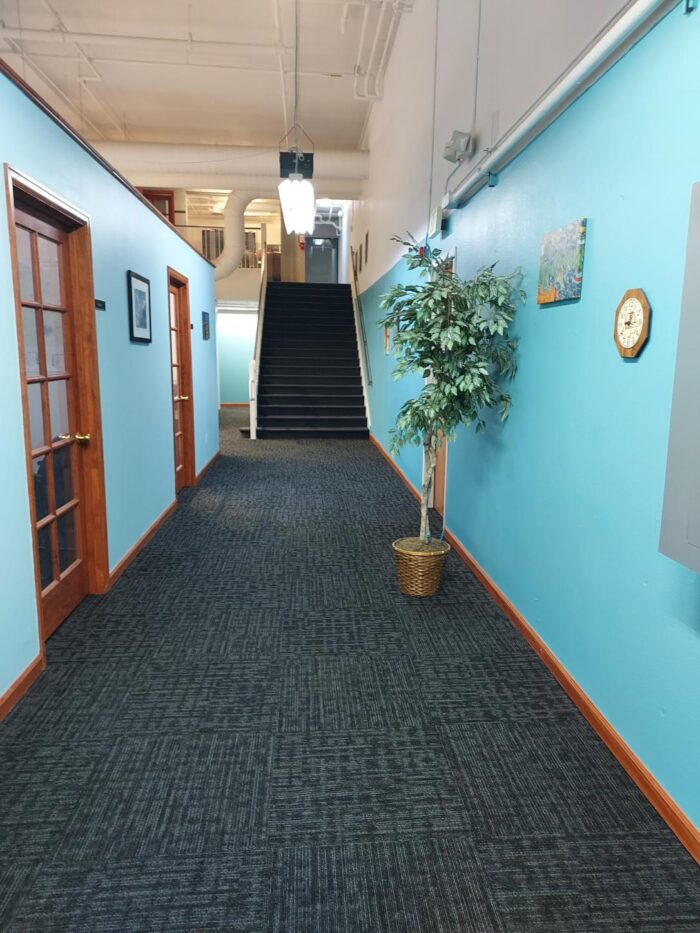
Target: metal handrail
x,y
359,313
361,336
254,366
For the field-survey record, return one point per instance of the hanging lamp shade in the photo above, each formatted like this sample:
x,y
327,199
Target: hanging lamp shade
x,y
298,205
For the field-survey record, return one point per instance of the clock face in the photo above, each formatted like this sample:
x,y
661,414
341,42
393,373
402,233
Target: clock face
x,y
630,322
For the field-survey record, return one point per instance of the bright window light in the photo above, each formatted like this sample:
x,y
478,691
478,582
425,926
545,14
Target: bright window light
x,y
298,205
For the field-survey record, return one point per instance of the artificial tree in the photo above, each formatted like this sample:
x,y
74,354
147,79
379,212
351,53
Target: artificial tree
x,y
455,333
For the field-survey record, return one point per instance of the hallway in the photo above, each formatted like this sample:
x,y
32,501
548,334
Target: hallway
x,y
254,732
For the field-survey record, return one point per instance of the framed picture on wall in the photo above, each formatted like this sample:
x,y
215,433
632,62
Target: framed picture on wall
x,y
205,325
139,308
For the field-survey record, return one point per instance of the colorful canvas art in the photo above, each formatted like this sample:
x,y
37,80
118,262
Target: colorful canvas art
x,y
561,263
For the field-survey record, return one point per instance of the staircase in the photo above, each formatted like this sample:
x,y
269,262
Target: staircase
x,y
310,383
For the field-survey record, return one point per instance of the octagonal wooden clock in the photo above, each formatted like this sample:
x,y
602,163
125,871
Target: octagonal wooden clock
x,y
632,323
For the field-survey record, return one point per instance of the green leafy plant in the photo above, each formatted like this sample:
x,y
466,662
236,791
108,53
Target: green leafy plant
x,y
455,333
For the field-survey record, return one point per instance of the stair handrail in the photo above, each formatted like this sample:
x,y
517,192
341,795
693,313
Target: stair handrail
x,y
254,365
361,333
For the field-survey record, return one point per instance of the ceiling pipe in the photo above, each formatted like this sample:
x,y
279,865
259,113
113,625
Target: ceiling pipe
x,y
379,35
386,27
156,42
234,233
270,69
603,52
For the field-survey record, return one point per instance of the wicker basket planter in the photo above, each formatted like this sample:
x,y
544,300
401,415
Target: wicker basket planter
x,y
419,565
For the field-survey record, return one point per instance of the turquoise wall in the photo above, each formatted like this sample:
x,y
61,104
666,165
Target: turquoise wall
x,y
235,335
134,379
562,505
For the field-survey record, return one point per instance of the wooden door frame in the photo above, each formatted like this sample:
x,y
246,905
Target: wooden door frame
x,y
92,483
431,502
182,284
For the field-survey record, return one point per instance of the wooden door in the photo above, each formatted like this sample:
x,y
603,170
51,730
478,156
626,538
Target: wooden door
x,y
181,366
439,479
52,393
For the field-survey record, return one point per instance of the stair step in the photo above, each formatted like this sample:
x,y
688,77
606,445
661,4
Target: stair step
x,y
302,318
312,421
269,409
308,358
338,352
313,309
274,340
308,288
316,327
319,380
305,371
309,433
314,351
298,335
298,393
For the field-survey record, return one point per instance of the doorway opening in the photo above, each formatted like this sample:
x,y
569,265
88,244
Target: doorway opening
x,y
181,368
54,297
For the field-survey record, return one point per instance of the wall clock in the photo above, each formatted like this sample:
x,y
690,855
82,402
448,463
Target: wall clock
x,y
632,323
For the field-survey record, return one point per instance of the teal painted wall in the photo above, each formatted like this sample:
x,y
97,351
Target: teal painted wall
x,y
235,334
562,505
134,379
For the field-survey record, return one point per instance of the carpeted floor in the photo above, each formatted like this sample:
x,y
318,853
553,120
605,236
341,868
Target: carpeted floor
x,y
254,732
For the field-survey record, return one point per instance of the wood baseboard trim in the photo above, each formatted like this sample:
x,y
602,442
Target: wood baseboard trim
x,y
687,833
134,551
207,466
16,691
234,404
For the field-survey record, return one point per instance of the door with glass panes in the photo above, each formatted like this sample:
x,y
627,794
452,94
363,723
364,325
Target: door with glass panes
x,y
52,400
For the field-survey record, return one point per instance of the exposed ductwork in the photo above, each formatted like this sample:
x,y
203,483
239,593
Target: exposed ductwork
x,y
234,233
337,173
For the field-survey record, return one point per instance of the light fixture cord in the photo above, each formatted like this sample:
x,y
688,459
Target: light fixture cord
x,y
476,71
296,85
432,135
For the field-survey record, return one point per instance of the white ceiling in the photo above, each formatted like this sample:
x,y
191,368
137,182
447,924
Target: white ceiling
x,y
200,72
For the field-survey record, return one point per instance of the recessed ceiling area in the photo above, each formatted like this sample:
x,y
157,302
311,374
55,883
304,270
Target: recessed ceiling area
x,y
214,71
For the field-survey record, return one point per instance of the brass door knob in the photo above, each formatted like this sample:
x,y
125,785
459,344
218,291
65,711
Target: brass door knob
x,y
182,398
82,438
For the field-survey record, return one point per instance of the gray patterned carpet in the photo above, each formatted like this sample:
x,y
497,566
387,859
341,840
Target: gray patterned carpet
x,y
255,732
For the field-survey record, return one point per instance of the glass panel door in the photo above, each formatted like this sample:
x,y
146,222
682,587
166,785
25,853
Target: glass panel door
x,y
52,409
176,363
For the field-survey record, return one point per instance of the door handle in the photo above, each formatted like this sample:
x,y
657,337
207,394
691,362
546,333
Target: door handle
x,y
182,398
82,438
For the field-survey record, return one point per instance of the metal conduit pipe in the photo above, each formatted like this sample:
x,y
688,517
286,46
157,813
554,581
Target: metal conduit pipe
x,y
385,29
627,28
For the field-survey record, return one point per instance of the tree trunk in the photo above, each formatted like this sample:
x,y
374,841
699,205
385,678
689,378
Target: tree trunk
x,y
429,461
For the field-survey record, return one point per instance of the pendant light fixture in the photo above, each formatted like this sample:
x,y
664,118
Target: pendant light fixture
x,y
296,192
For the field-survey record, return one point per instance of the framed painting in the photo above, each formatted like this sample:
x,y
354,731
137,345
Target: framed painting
x,y
561,263
206,333
139,308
